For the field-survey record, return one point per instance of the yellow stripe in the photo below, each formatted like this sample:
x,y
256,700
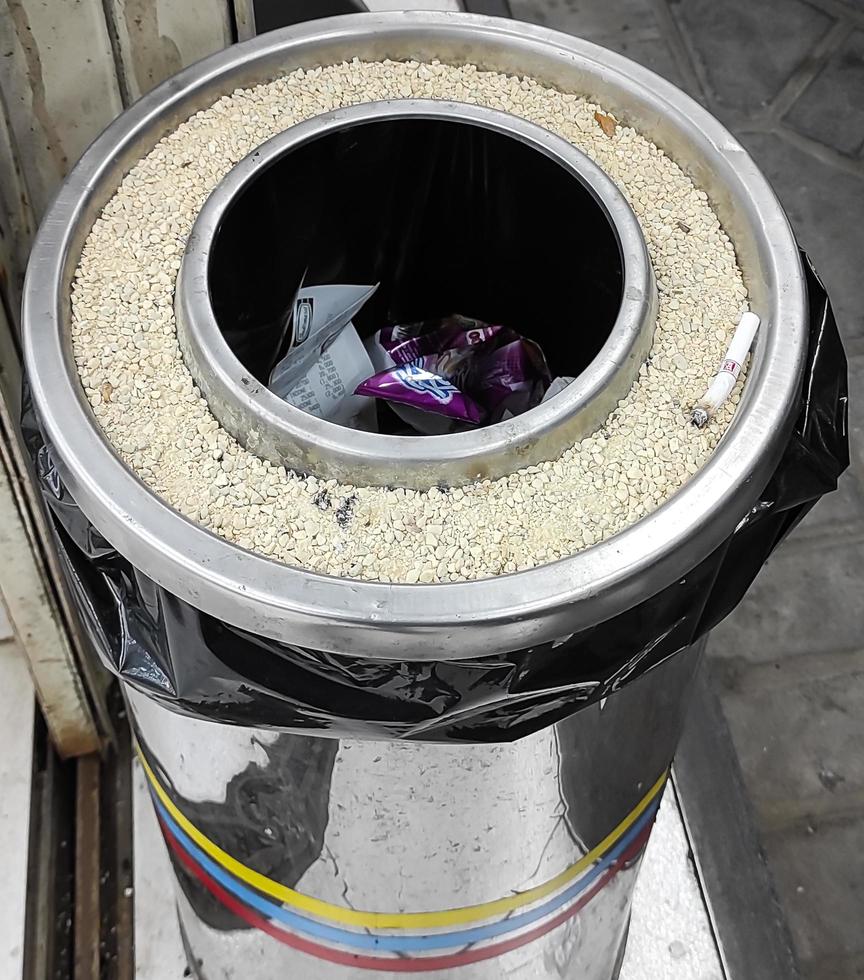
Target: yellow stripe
x,y
396,920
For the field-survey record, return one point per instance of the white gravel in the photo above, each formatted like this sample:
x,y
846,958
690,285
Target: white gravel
x,y
144,397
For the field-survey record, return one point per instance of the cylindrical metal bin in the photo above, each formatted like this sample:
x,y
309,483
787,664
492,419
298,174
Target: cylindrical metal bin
x,y
506,841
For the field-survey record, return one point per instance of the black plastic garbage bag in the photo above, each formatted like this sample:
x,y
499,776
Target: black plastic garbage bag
x,y
196,664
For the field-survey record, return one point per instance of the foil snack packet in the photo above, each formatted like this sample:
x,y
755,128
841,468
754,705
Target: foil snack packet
x,y
464,370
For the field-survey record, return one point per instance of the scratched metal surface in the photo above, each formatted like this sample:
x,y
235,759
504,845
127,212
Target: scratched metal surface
x,y
670,935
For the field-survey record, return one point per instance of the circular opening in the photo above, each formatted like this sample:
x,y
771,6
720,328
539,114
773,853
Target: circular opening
x,y
449,217
454,209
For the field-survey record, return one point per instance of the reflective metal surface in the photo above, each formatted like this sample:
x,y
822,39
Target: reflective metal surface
x,y
457,619
270,427
300,856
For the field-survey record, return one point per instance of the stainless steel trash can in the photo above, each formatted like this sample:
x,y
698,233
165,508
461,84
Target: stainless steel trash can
x,y
448,852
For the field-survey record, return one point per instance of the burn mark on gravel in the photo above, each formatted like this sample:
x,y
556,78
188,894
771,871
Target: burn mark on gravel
x,y
345,511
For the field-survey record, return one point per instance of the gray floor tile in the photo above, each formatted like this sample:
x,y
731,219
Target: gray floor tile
x,y
749,49
831,110
834,968
627,28
805,600
856,411
653,53
820,877
799,744
836,511
16,769
587,18
826,208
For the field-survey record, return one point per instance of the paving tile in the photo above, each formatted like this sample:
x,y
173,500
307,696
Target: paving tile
x,y
653,53
627,28
806,599
748,50
820,881
587,18
833,968
831,109
856,411
826,208
838,510
798,742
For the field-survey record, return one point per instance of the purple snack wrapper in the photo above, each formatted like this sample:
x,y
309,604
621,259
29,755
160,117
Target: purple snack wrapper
x,y
513,378
407,342
419,383
463,369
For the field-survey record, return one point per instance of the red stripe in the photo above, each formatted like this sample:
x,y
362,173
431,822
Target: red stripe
x,y
401,965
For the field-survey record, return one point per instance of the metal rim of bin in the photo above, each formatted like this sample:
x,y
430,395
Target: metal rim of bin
x,y
451,620
270,427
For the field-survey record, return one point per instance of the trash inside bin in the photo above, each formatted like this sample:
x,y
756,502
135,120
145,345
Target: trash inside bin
x,y
448,217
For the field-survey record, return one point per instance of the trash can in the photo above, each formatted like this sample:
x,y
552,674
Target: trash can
x,y
359,774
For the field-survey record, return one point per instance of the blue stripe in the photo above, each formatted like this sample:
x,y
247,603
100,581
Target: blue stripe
x,y
398,944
